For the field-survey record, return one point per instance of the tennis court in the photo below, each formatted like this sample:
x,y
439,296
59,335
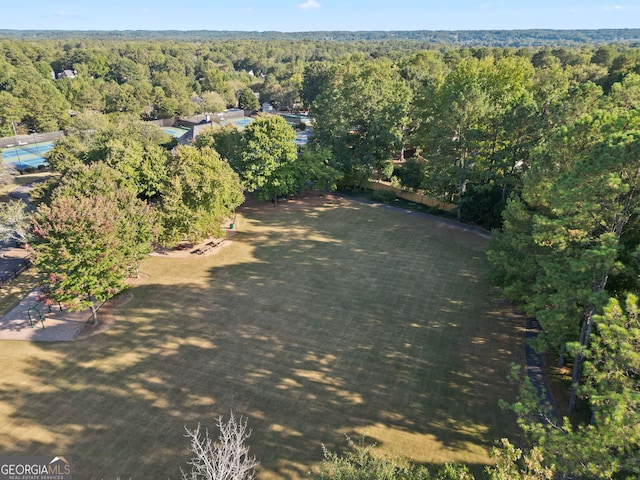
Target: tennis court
x,y
239,122
23,156
176,132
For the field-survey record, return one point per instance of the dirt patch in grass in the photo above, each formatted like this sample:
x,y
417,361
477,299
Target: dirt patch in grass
x,y
107,312
106,316
209,246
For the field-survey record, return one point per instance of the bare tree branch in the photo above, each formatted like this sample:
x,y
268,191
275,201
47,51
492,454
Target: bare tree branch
x,y
227,459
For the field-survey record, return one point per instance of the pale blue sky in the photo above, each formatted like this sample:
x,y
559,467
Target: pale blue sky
x,y
313,15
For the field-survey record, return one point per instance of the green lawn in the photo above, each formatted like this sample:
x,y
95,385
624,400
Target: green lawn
x,y
315,323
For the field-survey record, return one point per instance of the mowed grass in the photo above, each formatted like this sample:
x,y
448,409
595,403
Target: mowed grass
x,y
315,323
12,293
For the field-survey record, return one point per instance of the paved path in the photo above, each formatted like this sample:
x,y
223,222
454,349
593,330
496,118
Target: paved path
x,y
10,259
60,326
535,368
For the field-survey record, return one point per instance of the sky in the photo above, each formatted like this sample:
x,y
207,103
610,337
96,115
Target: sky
x,y
315,15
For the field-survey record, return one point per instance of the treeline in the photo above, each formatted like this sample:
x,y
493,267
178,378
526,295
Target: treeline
x,y
495,38
166,79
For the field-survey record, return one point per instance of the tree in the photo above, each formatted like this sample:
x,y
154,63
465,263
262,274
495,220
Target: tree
x,y
476,128
316,78
268,152
453,137
144,166
130,146
14,222
247,99
213,102
123,70
360,115
11,111
83,93
612,371
314,170
561,243
509,462
67,152
6,174
45,107
202,191
152,171
90,237
385,170
412,173
213,80
225,140
227,459
173,94
425,67
607,446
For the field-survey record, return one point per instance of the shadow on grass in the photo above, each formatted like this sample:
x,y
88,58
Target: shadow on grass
x,y
315,324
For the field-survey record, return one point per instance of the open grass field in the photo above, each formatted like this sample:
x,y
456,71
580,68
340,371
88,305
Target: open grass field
x,y
315,322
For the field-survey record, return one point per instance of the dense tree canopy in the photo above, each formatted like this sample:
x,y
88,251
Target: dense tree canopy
x,y
561,241
202,192
267,156
360,116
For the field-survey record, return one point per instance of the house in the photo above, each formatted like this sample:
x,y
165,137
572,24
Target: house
x,y
268,108
67,74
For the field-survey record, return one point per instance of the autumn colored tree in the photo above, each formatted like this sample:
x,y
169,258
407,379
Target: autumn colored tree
x,y
90,237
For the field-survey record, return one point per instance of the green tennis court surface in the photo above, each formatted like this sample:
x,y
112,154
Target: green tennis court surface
x,y
175,131
23,156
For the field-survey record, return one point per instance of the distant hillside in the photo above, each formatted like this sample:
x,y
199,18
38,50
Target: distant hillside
x,y
497,38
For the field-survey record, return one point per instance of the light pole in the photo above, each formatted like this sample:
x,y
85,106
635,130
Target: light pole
x,y
15,136
35,140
